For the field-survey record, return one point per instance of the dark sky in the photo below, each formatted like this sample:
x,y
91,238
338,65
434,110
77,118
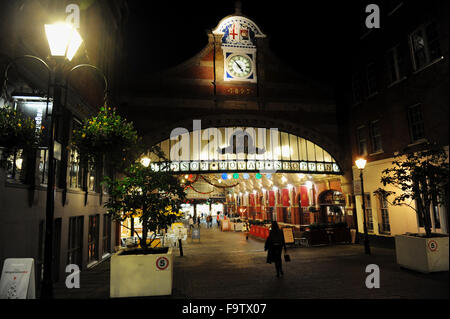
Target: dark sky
x,y
311,36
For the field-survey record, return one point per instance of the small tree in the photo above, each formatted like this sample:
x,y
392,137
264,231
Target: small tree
x,y
421,177
153,196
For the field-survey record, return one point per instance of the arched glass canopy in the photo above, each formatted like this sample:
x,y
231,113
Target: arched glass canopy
x,y
242,149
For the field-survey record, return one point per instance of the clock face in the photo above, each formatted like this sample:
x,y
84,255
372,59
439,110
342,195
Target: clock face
x,y
239,66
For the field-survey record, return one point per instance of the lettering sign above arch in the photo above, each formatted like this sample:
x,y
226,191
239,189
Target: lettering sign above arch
x,y
242,149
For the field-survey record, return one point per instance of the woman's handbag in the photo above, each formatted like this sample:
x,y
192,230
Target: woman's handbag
x,y
287,258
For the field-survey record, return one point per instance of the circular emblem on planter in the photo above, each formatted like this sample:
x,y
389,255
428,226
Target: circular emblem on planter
x,y
162,263
432,245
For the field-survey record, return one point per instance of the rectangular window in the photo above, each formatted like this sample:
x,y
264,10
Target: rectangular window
x,y
371,79
75,170
416,125
361,140
43,166
385,226
435,211
395,64
375,135
106,234
75,247
369,217
93,238
356,88
425,45
15,166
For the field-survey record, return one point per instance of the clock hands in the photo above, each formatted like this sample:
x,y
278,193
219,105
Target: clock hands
x,y
240,68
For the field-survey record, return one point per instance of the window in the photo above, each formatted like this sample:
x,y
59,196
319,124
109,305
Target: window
x,y
416,125
361,140
75,168
425,45
395,64
43,166
106,234
75,249
371,79
356,88
75,171
93,234
369,217
15,166
385,226
435,211
375,135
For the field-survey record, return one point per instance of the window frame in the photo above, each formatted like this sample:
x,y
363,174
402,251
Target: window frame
x,y
428,60
412,125
358,140
373,137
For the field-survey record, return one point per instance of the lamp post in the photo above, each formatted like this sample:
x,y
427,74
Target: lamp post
x,y
361,163
64,42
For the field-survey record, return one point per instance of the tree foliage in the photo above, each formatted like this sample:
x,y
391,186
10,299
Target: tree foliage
x,y
153,196
421,178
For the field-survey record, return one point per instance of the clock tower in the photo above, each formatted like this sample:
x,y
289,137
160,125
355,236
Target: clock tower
x,y
238,42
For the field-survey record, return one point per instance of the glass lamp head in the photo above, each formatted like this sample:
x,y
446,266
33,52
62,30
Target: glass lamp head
x,y
63,39
361,163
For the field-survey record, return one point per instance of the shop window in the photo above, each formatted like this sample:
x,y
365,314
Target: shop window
x,y
375,136
371,79
416,124
435,212
75,170
75,245
362,140
43,166
425,45
15,166
93,238
106,234
395,64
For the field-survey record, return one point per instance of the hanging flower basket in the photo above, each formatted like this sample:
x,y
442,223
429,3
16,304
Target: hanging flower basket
x,y
17,131
107,133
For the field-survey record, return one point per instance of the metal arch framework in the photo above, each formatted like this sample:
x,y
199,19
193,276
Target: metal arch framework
x,y
35,58
105,91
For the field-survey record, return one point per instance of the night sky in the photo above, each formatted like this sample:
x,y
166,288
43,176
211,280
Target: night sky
x,y
313,37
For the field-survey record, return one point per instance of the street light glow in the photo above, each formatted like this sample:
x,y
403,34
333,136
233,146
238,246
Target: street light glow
x,y
361,163
63,39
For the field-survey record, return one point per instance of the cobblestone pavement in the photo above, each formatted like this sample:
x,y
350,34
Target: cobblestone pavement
x,y
226,265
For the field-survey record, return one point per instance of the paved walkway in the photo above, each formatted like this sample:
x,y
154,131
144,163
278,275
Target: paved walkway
x,y
226,265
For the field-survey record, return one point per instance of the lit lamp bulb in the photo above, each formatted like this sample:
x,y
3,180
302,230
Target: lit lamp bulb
x,y
63,39
145,161
361,163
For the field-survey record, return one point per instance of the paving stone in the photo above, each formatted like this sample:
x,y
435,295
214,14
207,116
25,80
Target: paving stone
x,y
226,265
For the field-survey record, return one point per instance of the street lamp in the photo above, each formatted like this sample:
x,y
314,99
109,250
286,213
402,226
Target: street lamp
x,y
361,163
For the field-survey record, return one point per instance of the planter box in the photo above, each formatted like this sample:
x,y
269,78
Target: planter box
x,y
422,254
318,237
141,275
341,235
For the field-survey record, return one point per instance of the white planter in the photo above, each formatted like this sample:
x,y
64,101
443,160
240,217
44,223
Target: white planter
x,y
141,275
422,254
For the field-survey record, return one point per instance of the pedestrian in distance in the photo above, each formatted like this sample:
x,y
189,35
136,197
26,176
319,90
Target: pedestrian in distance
x,y
191,222
274,247
218,220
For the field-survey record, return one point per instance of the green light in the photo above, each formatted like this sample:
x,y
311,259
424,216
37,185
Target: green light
x,y
258,176
235,175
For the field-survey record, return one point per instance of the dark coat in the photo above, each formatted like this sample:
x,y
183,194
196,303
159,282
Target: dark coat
x,y
274,246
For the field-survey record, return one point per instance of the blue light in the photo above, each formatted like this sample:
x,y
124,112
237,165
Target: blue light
x,y
246,176
269,175
224,176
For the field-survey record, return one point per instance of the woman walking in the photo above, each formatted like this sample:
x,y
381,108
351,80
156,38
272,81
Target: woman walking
x,y
274,246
